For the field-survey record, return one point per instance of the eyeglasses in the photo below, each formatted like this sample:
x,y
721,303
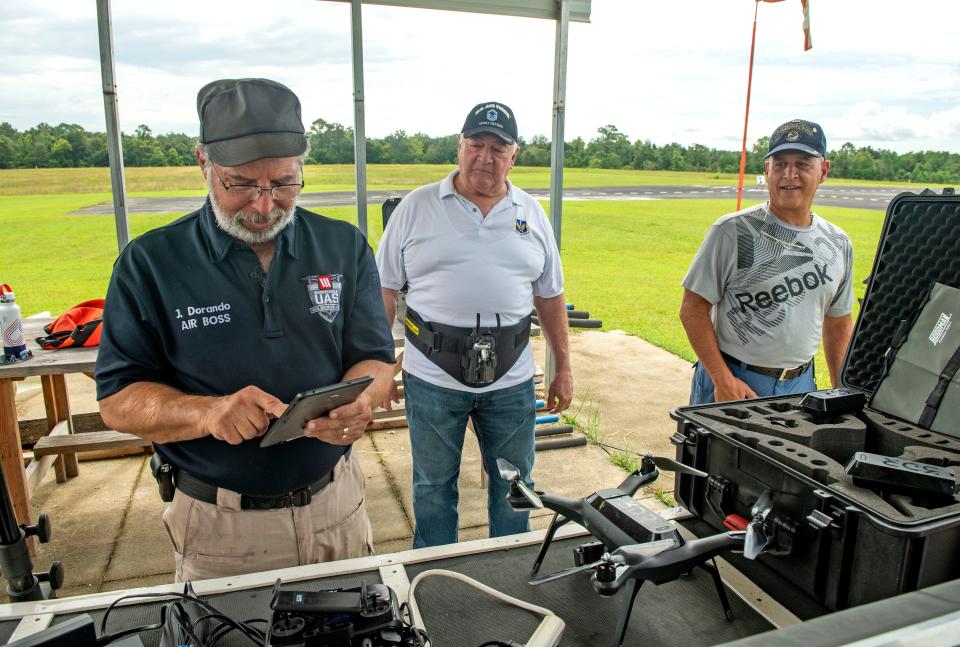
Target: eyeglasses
x,y
251,192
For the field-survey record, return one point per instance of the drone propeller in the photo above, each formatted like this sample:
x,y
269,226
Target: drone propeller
x,y
510,473
661,462
757,539
671,465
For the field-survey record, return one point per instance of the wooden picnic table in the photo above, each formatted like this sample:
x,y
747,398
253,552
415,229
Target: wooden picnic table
x,y
52,367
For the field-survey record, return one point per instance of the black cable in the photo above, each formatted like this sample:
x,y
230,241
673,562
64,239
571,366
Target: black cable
x,y
252,633
106,613
106,639
225,628
186,626
418,634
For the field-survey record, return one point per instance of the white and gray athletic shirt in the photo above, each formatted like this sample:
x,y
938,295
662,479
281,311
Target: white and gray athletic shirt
x,y
457,263
771,284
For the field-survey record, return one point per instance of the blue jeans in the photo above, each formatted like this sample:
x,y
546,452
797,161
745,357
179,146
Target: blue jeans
x,y
701,389
437,418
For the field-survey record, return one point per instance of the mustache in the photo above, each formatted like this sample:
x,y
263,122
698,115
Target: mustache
x,y
258,218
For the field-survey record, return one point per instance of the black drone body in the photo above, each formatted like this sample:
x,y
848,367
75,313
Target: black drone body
x,y
634,544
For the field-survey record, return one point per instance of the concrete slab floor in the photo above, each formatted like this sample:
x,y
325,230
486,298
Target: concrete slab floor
x,y
106,522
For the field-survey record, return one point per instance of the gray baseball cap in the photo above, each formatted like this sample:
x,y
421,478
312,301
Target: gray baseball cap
x,y
244,120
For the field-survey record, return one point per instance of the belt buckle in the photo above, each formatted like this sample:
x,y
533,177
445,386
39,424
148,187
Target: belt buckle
x,y
783,374
298,498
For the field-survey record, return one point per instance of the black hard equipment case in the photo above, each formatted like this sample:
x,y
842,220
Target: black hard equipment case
x,y
836,544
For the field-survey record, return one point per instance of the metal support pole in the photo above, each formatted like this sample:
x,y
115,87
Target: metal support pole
x,y
359,130
557,143
118,181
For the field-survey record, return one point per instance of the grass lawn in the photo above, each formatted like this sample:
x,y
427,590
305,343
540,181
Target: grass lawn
x,y
186,180
623,261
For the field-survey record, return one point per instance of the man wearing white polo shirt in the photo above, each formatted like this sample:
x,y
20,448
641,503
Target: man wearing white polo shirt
x,y
477,254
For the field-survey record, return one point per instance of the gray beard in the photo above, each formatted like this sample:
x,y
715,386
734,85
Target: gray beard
x,y
231,222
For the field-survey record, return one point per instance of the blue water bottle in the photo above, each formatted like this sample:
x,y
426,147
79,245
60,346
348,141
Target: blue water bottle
x,y
11,329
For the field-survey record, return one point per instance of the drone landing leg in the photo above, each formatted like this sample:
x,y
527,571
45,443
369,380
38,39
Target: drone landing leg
x,y
631,588
554,524
721,590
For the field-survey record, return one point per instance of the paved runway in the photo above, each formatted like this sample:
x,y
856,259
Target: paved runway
x,y
858,197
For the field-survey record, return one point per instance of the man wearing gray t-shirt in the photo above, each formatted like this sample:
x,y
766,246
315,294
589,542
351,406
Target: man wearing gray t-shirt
x,y
769,281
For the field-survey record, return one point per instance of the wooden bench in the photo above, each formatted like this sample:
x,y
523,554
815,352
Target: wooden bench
x,y
64,443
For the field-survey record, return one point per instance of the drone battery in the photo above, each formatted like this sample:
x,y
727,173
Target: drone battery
x,y
890,474
630,516
833,402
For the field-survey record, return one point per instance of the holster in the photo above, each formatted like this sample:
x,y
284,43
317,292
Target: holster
x,y
163,472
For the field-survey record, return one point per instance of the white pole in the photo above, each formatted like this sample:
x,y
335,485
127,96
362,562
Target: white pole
x,y
359,130
556,143
114,147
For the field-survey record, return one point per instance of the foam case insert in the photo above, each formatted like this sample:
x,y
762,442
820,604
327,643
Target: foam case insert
x,y
848,545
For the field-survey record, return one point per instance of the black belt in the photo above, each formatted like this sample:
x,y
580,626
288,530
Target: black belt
x,y
779,373
203,491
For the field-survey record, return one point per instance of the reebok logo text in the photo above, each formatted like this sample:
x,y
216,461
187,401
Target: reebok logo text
x,y
780,293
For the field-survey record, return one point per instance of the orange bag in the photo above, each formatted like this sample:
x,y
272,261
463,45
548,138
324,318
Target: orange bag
x,y
78,326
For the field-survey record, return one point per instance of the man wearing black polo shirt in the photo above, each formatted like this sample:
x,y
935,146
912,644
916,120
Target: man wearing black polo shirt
x,y
213,322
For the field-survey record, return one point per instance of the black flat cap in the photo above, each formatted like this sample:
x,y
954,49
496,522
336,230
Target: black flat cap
x,y
244,120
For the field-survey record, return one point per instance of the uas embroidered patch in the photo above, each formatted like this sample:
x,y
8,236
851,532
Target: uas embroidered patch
x,y
324,292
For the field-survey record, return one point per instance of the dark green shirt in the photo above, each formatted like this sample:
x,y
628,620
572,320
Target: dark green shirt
x,y
190,307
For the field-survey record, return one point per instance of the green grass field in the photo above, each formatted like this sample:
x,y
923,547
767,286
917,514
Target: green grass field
x,y
623,261
186,180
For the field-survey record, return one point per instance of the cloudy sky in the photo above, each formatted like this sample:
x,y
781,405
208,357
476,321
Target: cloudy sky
x,y
881,74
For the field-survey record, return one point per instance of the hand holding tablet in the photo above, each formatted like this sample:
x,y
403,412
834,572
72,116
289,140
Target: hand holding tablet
x,y
312,404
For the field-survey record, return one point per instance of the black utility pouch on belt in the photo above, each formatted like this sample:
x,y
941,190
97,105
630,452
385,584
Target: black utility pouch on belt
x,y
163,472
476,356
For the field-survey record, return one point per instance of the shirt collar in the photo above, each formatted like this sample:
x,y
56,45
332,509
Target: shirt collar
x,y
448,189
220,243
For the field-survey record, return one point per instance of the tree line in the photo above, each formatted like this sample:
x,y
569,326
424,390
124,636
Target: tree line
x,y
70,145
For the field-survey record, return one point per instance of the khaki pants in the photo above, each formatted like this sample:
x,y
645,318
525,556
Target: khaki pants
x,y
222,540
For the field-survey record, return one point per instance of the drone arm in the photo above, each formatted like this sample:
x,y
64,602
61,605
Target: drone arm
x,y
670,564
637,480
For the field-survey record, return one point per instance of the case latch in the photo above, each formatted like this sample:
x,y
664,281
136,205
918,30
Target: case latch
x,y
720,496
828,515
819,520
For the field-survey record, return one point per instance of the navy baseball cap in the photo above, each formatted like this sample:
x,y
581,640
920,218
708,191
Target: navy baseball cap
x,y
798,135
491,117
244,120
